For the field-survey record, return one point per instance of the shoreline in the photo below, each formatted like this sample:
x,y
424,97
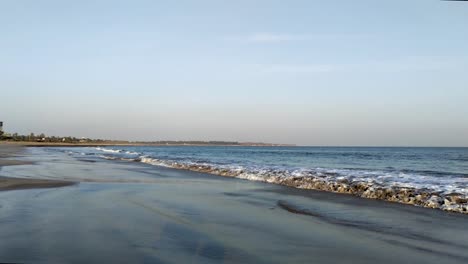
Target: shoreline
x,y
453,202
419,197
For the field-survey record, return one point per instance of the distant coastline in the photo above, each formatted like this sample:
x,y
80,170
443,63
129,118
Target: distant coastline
x,y
42,140
129,143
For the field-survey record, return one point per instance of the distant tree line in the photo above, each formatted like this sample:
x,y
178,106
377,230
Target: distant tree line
x,y
43,138
181,142
55,139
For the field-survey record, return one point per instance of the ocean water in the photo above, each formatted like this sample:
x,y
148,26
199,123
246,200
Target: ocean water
x,y
443,170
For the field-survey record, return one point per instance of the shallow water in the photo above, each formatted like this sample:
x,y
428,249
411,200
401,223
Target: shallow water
x,y
128,212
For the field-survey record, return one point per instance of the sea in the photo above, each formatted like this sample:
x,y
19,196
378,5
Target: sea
x,y
440,170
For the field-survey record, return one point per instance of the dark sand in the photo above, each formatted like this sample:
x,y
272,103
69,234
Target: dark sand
x,y
7,183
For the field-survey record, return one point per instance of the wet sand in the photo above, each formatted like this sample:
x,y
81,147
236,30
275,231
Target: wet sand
x,y
8,157
128,212
10,150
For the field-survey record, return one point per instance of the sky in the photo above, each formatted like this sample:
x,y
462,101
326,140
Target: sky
x,y
333,73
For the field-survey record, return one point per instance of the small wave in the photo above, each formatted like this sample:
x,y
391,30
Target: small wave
x,y
108,157
119,151
155,162
424,180
109,150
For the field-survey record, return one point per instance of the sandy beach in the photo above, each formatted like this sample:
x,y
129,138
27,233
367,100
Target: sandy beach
x,y
129,212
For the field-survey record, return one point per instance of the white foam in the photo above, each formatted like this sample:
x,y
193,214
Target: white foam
x,y
109,150
155,162
435,183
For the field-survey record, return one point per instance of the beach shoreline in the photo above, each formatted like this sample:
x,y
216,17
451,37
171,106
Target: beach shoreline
x,y
179,216
450,200
453,202
408,196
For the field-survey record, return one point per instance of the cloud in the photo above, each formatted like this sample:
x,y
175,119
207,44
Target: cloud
x,y
268,37
404,64
305,68
273,38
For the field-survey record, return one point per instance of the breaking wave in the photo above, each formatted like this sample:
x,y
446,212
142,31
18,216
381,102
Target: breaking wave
x,y
427,188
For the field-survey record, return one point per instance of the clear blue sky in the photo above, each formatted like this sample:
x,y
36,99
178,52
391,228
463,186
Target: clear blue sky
x,y
361,72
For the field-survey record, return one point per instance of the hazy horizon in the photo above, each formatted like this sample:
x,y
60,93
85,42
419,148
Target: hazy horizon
x,y
315,73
